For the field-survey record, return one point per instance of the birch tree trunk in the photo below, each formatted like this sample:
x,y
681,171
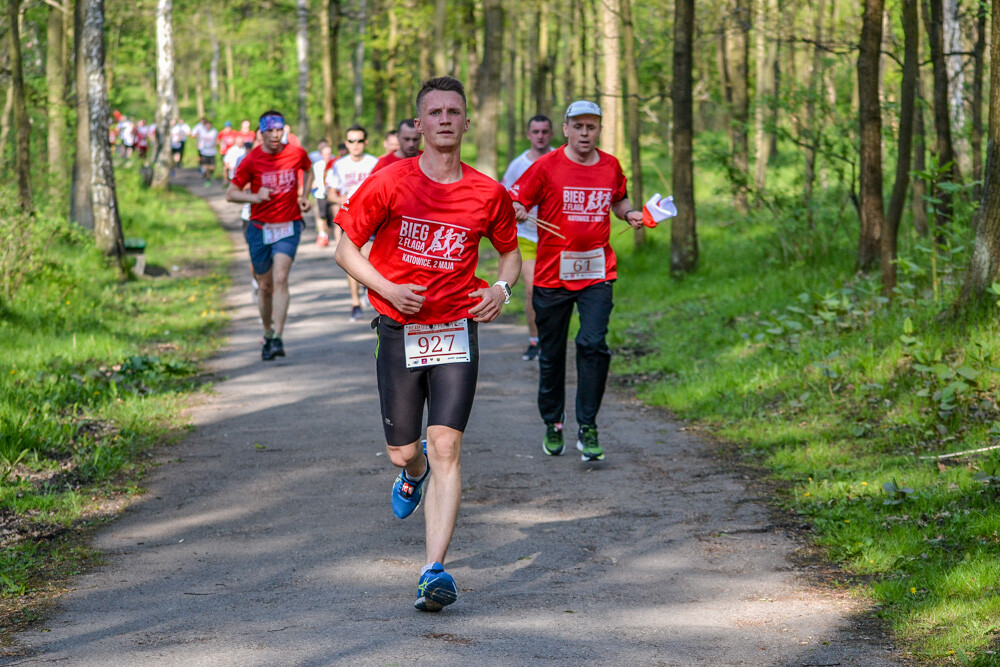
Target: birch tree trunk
x,y
611,80
954,48
984,263
870,121
809,124
55,77
392,44
166,98
230,73
633,123
81,211
683,229
489,79
22,127
359,61
907,97
918,202
302,54
765,46
8,107
107,221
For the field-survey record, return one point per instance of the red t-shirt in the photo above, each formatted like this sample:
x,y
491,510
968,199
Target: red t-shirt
x,y
245,137
427,233
577,199
389,158
279,172
227,139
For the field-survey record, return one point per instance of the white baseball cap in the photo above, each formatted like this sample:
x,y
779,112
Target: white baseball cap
x,y
583,108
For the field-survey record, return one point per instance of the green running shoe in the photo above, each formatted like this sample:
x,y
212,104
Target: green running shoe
x,y
589,446
553,444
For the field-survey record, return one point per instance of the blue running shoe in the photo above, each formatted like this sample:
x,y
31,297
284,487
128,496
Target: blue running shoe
x,y
406,494
436,589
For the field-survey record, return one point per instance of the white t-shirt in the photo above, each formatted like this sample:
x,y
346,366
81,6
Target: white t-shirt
x,y
179,134
319,178
233,157
525,229
207,139
346,175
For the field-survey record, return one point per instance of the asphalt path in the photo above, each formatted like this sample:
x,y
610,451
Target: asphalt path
x,y
266,536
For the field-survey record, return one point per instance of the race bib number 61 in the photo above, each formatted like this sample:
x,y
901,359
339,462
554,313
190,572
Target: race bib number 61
x,y
433,344
588,265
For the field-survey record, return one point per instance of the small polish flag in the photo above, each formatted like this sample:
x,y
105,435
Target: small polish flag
x,y
657,210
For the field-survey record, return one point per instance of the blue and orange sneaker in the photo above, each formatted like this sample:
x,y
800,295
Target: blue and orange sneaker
x,y
407,493
436,589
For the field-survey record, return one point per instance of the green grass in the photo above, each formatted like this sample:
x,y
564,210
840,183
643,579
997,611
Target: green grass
x,y
779,347
96,368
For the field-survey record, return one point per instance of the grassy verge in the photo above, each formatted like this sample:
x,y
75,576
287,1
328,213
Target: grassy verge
x,y
841,397
94,370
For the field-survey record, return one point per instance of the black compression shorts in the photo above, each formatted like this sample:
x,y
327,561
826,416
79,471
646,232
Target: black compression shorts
x,y
447,389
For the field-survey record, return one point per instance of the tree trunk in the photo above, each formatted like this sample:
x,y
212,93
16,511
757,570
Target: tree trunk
x,y
440,43
230,74
955,50
55,77
302,54
766,51
510,85
907,96
632,113
22,126
870,120
8,107
737,52
107,222
611,81
359,61
984,262
329,22
81,211
392,102
542,72
166,99
683,230
918,203
809,124
933,16
213,65
977,101
489,88
199,94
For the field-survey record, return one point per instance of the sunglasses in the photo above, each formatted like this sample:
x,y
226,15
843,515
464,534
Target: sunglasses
x,y
355,141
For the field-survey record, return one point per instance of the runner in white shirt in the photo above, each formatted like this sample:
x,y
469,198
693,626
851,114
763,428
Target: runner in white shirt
x,y
207,138
342,179
179,133
539,134
324,213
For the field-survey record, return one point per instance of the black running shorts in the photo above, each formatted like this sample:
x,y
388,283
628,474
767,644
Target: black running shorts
x,y
447,389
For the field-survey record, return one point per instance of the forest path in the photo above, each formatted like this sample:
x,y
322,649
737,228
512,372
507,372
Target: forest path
x,y
266,537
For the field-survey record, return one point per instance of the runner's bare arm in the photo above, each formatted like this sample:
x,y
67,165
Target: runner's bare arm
x,y
402,297
623,209
493,297
307,180
241,196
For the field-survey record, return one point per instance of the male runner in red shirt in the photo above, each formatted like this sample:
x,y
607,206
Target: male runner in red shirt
x,y
409,145
272,170
428,216
574,187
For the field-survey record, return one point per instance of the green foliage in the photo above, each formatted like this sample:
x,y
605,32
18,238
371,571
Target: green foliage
x,y
838,393
93,369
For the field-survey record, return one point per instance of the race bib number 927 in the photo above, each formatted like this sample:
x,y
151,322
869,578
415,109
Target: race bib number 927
x,y
433,344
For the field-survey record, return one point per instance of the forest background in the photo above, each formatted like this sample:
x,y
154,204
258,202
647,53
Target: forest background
x,y
828,307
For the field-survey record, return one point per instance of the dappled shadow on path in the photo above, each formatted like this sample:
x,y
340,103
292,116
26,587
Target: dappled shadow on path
x,y
266,536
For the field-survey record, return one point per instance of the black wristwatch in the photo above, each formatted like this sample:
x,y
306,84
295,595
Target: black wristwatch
x,y
506,290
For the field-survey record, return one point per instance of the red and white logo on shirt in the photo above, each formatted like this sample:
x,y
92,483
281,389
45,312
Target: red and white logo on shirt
x,y
586,202
431,244
279,181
